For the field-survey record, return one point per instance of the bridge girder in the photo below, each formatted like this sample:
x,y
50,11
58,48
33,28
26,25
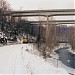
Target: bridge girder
x,y
54,22
27,13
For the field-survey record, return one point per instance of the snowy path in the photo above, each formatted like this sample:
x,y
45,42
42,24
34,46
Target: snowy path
x,y
15,59
8,57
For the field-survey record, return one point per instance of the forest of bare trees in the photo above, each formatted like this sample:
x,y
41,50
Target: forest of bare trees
x,y
71,37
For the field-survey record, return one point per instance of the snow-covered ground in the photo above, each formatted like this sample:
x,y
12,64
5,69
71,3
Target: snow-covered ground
x,y
24,59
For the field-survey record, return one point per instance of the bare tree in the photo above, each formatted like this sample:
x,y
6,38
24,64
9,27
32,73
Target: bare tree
x,y
4,7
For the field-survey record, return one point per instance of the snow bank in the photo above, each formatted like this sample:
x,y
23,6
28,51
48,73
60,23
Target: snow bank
x,y
40,66
71,50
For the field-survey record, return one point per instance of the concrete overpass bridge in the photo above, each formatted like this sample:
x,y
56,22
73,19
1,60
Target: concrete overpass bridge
x,y
44,13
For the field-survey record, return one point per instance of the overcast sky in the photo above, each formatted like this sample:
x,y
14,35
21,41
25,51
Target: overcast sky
x,y
40,4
